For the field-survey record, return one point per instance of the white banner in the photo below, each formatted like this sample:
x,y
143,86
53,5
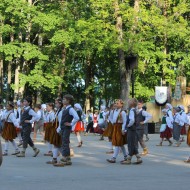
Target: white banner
x,y
161,94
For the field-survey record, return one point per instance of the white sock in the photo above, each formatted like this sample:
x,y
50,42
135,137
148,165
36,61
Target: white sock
x,y
50,146
124,151
110,145
116,151
55,152
14,145
79,138
19,136
6,146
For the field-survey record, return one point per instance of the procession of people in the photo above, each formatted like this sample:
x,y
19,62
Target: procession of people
x,y
125,130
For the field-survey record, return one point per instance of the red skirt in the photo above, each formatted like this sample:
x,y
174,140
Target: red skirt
x,y
9,131
98,130
183,130
79,127
166,134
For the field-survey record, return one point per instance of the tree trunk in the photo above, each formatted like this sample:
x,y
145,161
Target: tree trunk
x,y
9,75
1,68
88,83
125,76
62,70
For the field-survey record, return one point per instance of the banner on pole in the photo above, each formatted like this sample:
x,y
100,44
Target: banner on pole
x,y
161,94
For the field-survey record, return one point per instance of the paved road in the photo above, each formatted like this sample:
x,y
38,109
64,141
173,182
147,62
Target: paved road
x,y
162,169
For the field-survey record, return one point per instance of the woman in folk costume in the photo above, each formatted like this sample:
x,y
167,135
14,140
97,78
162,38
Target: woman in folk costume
x,y
9,131
165,132
95,120
184,121
168,120
119,137
188,132
48,125
55,138
109,129
79,126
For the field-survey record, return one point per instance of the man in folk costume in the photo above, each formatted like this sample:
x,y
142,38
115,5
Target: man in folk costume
x,y
132,134
184,121
68,120
9,131
28,116
109,129
188,132
79,126
142,117
177,123
48,125
119,133
55,139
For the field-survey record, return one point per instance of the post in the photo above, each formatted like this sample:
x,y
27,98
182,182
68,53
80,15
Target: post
x,y
133,83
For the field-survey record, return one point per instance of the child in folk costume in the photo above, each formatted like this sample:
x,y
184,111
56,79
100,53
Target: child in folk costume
x,y
165,132
188,132
48,125
28,116
119,136
145,126
95,120
79,126
68,120
177,125
39,125
89,122
142,117
18,116
184,121
109,129
9,131
132,134
56,137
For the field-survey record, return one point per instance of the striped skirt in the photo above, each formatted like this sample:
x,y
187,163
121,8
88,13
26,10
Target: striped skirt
x,y
9,131
188,136
48,127
109,130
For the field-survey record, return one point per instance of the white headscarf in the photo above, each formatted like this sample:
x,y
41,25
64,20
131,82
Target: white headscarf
x,y
102,107
78,106
164,110
182,107
169,106
43,106
18,103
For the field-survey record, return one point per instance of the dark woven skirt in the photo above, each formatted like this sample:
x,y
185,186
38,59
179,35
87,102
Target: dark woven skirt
x,y
188,136
9,131
166,134
183,130
55,138
118,139
108,131
48,127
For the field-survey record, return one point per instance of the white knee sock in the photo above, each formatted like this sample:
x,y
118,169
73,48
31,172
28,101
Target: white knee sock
x,y
19,136
50,146
79,138
14,145
110,145
6,146
55,152
116,151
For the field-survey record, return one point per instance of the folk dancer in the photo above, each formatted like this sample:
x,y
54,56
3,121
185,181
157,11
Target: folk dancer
x,y
119,134
9,130
27,118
